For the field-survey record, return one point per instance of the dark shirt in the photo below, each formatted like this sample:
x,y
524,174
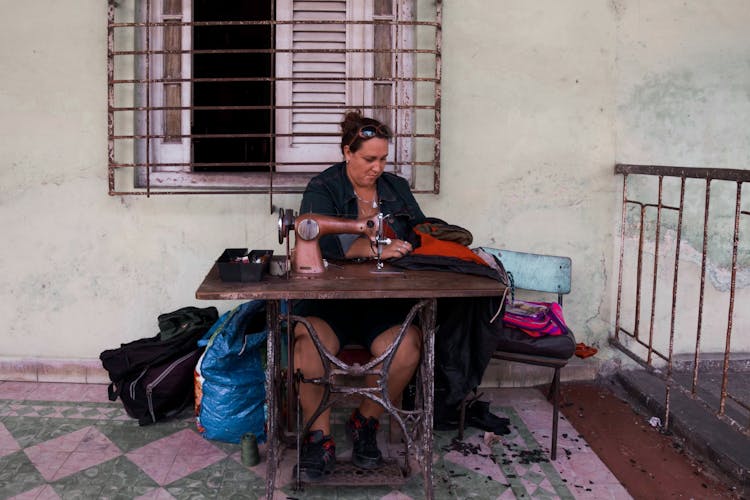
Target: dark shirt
x,y
331,193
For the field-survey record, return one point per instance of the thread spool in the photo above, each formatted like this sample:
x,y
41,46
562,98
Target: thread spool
x,y
250,454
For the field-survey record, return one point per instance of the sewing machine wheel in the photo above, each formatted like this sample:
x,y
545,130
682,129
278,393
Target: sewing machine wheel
x,y
281,226
286,221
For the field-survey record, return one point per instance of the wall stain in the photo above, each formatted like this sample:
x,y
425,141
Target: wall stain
x,y
618,7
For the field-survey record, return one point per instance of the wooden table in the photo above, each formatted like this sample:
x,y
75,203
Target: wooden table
x,y
352,281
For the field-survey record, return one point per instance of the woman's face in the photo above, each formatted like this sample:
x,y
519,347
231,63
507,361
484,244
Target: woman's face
x,y
365,165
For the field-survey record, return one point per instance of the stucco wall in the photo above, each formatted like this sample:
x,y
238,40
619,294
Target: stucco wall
x,y
540,99
683,98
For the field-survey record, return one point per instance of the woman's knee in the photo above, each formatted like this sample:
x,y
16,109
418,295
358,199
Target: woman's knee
x,y
301,333
410,350
304,346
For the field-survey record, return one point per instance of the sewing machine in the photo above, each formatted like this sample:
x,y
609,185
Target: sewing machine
x,y
306,257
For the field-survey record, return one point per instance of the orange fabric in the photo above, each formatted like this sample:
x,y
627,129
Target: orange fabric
x,y
584,351
388,231
433,246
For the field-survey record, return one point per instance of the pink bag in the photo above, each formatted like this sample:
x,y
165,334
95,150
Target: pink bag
x,y
535,318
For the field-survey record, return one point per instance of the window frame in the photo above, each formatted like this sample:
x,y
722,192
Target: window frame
x,y
155,176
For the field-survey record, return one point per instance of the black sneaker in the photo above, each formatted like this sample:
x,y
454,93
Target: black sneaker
x,y
363,433
317,458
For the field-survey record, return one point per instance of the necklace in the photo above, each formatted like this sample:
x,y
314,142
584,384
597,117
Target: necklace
x,y
373,203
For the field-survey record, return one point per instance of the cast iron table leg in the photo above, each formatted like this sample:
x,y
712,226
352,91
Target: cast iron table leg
x,y
272,458
428,390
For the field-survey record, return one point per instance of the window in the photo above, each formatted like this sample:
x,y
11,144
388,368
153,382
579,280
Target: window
x,y
214,96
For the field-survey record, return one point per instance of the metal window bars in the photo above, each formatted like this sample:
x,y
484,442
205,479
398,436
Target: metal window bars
x,y
152,93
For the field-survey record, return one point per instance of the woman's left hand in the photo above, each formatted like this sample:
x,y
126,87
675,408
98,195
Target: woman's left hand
x,y
396,249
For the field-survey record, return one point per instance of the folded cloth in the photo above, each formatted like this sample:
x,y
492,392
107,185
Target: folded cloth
x,y
430,245
446,232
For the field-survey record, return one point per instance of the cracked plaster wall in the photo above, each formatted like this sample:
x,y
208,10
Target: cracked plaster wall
x,y
683,98
540,100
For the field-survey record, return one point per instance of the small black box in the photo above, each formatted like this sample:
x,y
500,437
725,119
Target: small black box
x,y
233,268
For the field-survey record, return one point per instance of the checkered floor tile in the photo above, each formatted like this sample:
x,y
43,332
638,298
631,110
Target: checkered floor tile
x,y
54,447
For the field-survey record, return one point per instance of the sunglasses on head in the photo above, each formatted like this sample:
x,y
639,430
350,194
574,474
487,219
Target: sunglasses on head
x,y
369,131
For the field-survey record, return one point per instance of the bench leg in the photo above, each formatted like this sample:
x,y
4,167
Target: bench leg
x,y
555,390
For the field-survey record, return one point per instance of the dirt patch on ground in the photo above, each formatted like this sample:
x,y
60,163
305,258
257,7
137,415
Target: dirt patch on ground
x,y
648,463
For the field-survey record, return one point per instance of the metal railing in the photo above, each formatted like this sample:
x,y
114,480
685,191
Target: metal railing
x,y
684,259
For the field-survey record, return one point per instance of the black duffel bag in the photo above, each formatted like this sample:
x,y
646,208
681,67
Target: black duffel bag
x,y
153,377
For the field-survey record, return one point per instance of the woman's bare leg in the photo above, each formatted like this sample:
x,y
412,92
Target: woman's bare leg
x,y
403,366
307,360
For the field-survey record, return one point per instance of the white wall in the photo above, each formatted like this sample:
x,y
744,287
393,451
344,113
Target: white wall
x,y
540,100
528,136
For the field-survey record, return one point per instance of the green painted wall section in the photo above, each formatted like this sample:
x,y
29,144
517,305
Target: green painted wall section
x,y
540,100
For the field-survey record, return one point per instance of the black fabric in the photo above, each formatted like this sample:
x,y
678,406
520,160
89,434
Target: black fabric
x,y
356,321
153,377
555,346
464,342
186,320
441,263
465,338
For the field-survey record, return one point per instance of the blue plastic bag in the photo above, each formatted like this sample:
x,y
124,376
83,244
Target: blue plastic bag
x,y
230,377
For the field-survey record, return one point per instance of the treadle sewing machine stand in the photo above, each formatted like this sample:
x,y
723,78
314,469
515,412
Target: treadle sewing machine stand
x,y
412,423
306,259
351,281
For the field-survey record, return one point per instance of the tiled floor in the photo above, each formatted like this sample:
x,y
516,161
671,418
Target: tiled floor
x,y
68,441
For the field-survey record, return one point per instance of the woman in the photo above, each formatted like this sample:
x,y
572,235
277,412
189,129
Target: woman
x,y
355,188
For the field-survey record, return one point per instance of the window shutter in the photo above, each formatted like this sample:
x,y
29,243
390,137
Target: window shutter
x,y
324,57
312,89
169,148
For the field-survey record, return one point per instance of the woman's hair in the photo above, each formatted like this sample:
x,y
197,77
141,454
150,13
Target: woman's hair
x,y
352,124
